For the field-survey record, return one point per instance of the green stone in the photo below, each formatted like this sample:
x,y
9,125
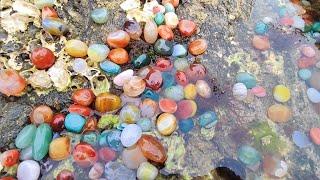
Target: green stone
x,y
141,61
41,142
26,136
159,19
248,155
163,47
247,79
316,27
307,28
100,15
90,138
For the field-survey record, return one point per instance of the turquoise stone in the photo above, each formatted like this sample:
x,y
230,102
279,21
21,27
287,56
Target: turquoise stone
x,y
110,68
54,26
261,28
74,122
100,15
26,136
90,138
163,47
148,93
248,155
186,125
304,74
145,124
159,18
307,28
208,119
103,138
42,3
113,140
179,51
181,64
41,142
169,7
316,27
141,61
169,79
174,92
247,79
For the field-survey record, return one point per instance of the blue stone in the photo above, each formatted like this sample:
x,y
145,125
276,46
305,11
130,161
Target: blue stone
x,y
99,15
304,74
90,138
121,126
248,155
261,28
247,79
169,7
186,125
159,18
148,93
174,92
113,140
145,124
168,80
313,95
74,122
301,139
208,119
103,138
179,51
110,68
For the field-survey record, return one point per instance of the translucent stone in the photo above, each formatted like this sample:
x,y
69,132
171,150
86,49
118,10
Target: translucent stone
x,y
40,79
84,155
76,48
117,171
145,124
239,91
11,83
99,15
132,157
83,96
106,102
130,135
148,108
165,32
163,64
26,154
147,171
26,136
247,79
96,171
274,166
107,154
129,114
203,89
119,56
171,20
163,47
118,39
187,28
181,64
9,158
281,93
186,109
134,87
208,119
261,43
152,149
300,139
174,92
133,28
42,3
190,91
248,155
98,52
196,72
80,66
60,148
123,77
150,32
41,142
169,7
42,58
198,46
28,170
168,105
154,79
41,114
179,51
54,26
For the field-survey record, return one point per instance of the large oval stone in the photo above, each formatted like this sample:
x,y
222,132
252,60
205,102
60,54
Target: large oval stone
x,y
41,142
25,136
60,148
279,113
152,149
106,102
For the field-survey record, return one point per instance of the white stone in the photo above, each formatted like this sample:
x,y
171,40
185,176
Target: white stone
x,y
130,135
240,91
123,77
313,95
28,170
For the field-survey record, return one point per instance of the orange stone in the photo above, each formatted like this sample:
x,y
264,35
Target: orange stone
x,y
261,43
279,113
198,46
118,39
41,114
106,102
11,83
187,28
91,125
119,56
175,3
152,148
83,97
315,135
165,32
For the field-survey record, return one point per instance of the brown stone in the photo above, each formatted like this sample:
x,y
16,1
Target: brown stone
x,y
279,113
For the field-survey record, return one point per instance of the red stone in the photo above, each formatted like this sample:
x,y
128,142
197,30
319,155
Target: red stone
x,y
118,39
196,72
81,110
91,125
9,158
41,114
181,78
163,64
11,83
305,62
42,58
84,155
65,175
57,123
106,154
48,12
187,28
152,148
7,178
119,56
154,79
83,97
165,32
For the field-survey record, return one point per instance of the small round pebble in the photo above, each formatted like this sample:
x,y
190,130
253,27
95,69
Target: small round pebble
x,y
304,74
186,125
281,93
240,91
28,170
300,139
261,28
171,20
100,15
313,95
130,135
145,124
147,171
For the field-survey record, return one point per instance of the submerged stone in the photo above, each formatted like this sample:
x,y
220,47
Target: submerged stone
x,y
118,39
208,119
186,125
145,124
248,155
313,95
132,157
106,102
165,32
163,47
117,171
301,139
166,124
28,170
140,61
150,32
129,114
304,74
247,79
279,113
174,92
147,171
119,56
152,149
261,28
281,93
130,135
74,122
41,142
198,47
60,148
76,48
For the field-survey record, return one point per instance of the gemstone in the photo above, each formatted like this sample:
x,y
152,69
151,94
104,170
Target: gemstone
x,y
41,114
57,123
106,102
80,66
148,108
259,91
308,51
315,135
248,155
74,122
279,113
107,154
186,109
103,138
166,124
134,87
163,64
152,148
133,28
147,171
76,48
181,64
181,78
48,12
145,124
313,95
163,47
196,72
208,119
42,58
187,28
154,79
132,157
168,105
130,135
26,136
79,109
91,125
203,89
129,114
28,170
281,93
174,92
240,91
83,96
98,52
11,83
141,61
159,18
150,32
123,77
148,93
261,42
90,138
175,3
54,26
190,91
171,19
117,171
198,47
114,140
60,148
274,166
9,158
84,155
165,32
41,142
300,139
316,27
42,3
26,154
99,15
96,171
305,74
119,56
179,51
65,175
247,79
261,28
118,39
186,125
110,68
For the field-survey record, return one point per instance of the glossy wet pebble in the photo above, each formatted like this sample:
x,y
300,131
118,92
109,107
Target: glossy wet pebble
x,y
96,171
65,175
169,80
261,28
163,47
198,47
187,28
123,77
141,61
134,87
110,68
42,139
106,102
148,108
74,122
315,135
54,26
179,51
147,171
41,114
118,39
174,92
28,170
99,15
150,32
165,32
119,56
132,157
247,79
98,52
259,91
84,155
248,155
208,119
26,136
11,82
42,3
145,124
261,42
76,48
281,93
152,148
304,74
300,139
171,19
129,114
42,58
196,72
308,51
60,148
9,158
133,28
83,97
163,64
279,113
186,125
168,105
313,95
130,135
107,154
159,18
186,109
166,124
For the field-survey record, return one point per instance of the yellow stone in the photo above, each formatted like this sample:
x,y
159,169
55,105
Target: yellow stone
x,y
59,148
190,91
76,48
166,123
281,93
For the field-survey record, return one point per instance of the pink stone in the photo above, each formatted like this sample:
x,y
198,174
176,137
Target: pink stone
x,y
96,171
150,32
106,154
261,43
123,77
286,21
168,105
308,51
186,109
259,91
132,157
